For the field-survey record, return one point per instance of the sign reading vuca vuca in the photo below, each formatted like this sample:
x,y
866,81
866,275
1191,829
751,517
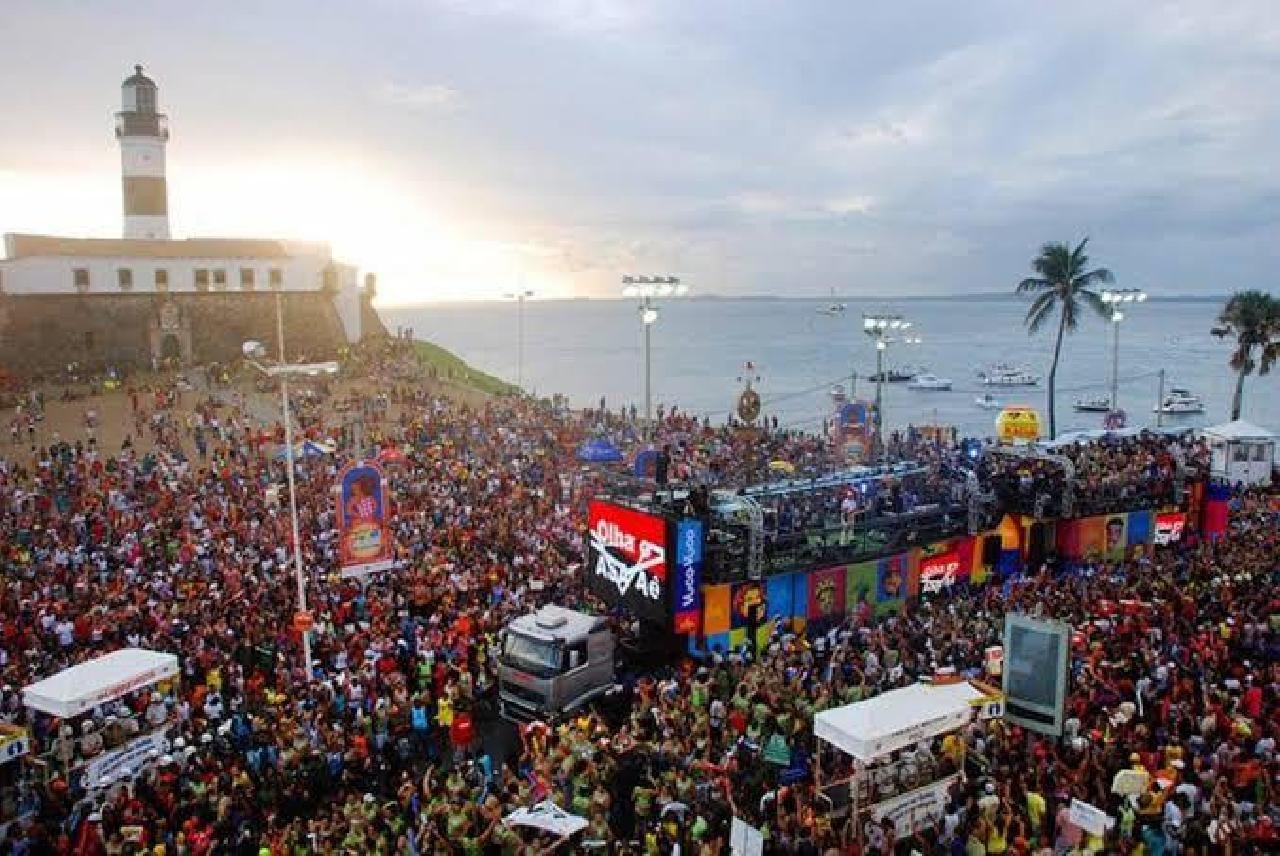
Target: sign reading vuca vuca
x,y
364,541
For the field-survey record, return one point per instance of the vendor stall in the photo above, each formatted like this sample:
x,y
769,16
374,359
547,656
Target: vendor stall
x,y
1241,452
897,773
107,731
81,688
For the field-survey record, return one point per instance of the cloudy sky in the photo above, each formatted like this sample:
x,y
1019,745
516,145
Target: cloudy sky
x,y
462,147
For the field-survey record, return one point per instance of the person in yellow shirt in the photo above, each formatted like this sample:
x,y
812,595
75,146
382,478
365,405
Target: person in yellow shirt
x,y
1036,808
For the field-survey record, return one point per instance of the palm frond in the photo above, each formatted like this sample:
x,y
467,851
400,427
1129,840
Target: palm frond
x,y
1033,284
1040,311
1094,302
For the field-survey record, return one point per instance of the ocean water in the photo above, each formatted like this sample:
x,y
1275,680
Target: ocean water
x,y
585,349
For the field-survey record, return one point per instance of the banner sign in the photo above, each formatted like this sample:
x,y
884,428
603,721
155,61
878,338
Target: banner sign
x,y
939,572
627,560
1089,817
14,742
1018,423
688,582
1169,527
126,760
364,542
915,810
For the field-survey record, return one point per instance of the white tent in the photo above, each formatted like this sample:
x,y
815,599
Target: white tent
x,y
1241,452
80,688
872,728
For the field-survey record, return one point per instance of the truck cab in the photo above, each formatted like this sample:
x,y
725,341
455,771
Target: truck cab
x,y
553,662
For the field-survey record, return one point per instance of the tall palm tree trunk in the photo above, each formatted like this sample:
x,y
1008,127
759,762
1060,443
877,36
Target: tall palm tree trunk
x,y
1053,374
1238,399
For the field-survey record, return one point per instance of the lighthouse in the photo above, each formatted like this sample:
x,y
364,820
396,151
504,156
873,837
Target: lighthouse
x,y
143,133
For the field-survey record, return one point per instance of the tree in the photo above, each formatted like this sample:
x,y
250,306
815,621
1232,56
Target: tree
x,y
1253,317
1063,283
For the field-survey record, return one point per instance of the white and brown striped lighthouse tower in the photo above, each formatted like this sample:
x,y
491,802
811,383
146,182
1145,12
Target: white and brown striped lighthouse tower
x,y
142,133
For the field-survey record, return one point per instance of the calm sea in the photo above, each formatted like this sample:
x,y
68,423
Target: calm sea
x,y
586,349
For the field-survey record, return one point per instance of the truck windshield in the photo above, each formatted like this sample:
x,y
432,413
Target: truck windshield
x,y
536,655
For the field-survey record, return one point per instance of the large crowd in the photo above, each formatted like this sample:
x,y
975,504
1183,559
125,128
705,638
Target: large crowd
x,y
387,743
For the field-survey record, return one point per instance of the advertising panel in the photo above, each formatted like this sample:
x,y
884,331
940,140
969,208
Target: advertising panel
x,y
1115,539
826,593
939,572
891,583
1018,424
1035,672
688,582
364,542
915,810
860,585
1169,526
627,560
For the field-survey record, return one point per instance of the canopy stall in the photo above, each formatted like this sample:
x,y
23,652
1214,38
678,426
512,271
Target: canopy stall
x,y
885,723
908,792
81,688
1241,452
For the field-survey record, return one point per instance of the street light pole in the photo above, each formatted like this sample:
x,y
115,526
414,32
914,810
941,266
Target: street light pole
x,y
300,577
647,288
648,316
253,351
1115,297
878,327
519,297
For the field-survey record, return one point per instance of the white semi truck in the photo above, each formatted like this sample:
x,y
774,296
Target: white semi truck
x,y
553,662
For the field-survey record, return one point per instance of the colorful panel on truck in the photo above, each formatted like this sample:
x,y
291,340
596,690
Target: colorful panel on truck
x,y
860,585
780,597
1114,541
827,593
1139,531
891,583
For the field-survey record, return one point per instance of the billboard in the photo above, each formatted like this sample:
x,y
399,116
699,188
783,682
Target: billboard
x,y
364,542
688,581
627,560
1035,672
940,571
1169,526
1018,423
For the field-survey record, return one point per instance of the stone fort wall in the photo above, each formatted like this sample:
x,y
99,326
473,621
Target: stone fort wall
x,y
41,334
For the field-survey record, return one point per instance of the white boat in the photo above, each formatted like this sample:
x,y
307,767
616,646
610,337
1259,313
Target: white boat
x,y
833,308
1094,404
987,401
1179,401
930,382
1004,375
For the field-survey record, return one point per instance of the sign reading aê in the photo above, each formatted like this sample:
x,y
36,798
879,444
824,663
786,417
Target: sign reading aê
x,y
627,559
939,572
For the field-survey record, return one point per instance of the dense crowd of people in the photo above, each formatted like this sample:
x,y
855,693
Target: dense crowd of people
x,y
386,742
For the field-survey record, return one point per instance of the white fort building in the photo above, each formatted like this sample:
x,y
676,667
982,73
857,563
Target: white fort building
x,y
146,297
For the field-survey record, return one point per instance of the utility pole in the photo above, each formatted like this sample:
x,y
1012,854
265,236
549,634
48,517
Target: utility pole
x,y
1160,402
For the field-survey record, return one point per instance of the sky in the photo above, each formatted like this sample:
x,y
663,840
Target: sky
x,y
461,149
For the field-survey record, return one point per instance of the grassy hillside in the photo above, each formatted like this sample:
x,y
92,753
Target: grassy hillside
x,y
449,367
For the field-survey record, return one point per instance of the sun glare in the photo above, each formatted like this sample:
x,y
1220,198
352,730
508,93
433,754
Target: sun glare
x,y
370,219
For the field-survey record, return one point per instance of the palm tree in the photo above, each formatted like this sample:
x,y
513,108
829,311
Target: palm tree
x,y
1065,283
1253,317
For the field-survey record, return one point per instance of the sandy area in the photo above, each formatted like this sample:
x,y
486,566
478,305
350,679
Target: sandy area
x,y
65,420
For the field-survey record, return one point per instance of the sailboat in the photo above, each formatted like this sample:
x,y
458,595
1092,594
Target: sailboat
x,y
834,307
